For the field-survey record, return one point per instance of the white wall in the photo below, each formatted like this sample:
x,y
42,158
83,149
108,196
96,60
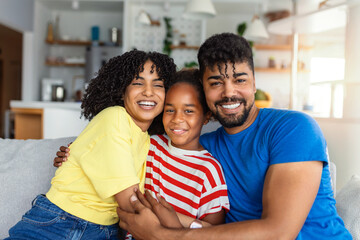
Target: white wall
x,y
343,139
17,14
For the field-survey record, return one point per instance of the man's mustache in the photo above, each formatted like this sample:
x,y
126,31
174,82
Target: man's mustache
x,y
232,99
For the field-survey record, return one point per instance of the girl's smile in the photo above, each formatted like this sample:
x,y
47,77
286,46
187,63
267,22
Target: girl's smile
x,y
183,116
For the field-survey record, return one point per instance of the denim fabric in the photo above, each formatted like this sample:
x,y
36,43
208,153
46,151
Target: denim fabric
x,y
45,220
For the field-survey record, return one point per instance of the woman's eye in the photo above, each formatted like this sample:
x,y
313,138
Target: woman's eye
x,y
136,83
215,83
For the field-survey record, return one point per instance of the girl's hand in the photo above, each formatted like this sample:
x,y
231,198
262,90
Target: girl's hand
x,y
163,210
62,155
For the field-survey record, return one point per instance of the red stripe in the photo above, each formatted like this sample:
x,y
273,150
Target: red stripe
x,y
175,169
174,194
216,165
186,163
170,193
213,196
172,180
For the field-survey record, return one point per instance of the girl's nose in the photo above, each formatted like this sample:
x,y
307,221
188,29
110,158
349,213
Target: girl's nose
x,y
178,117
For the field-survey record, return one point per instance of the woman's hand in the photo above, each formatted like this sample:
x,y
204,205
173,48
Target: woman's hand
x,y
62,155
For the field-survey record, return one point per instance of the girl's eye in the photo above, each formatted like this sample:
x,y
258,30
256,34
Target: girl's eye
x,y
169,111
189,111
136,83
159,85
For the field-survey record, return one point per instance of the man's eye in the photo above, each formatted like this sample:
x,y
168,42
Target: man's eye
x,y
240,80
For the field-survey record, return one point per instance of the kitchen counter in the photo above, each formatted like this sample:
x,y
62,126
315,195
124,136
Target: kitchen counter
x,y
37,120
40,104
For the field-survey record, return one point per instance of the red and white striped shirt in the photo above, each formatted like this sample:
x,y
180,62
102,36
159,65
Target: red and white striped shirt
x,y
191,181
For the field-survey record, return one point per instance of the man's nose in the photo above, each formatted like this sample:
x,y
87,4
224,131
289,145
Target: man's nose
x,y
228,90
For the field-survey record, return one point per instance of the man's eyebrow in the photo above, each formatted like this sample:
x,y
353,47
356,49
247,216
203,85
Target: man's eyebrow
x,y
239,74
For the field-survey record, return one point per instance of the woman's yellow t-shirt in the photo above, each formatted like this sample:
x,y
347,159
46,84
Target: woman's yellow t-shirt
x,y
108,156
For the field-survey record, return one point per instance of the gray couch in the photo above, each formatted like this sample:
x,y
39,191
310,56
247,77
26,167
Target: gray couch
x,y
26,168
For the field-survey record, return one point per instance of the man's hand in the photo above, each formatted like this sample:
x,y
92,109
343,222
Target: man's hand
x,y
143,224
61,156
163,210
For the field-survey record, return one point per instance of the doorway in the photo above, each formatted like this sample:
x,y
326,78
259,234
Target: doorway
x,y
10,70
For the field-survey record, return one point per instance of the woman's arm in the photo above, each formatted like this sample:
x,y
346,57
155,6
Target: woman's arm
x,y
122,198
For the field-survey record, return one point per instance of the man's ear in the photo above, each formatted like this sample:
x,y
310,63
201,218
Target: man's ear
x,y
208,116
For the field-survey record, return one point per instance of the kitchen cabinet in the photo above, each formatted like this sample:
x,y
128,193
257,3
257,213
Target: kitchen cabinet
x,y
38,120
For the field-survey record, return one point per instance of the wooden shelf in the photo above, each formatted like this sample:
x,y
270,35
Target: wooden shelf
x,y
278,70
63,64
71,42
184,47
284,47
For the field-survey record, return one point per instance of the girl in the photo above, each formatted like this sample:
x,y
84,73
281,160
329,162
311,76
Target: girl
x,y
108,157
178,167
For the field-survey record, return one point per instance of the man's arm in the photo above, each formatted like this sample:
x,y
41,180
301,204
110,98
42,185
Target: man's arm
x,y
289,192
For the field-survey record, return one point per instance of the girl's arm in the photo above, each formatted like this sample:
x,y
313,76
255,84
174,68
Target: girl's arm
x,y
209,220
122,198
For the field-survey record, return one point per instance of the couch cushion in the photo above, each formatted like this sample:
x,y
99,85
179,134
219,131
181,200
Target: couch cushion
x,y
348,205
26,169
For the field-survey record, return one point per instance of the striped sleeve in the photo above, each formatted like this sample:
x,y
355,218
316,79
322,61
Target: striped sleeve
x,y
214,197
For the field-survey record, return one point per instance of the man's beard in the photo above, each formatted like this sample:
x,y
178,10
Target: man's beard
x,y
233,120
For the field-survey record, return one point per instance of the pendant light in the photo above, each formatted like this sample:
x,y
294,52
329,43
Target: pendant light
x,y
199,9
143,17
256,30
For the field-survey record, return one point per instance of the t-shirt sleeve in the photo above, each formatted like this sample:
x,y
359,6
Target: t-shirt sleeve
x,y
215,197
108,163
297,138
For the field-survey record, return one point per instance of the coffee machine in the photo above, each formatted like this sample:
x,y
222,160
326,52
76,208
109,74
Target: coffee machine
x,y
52,90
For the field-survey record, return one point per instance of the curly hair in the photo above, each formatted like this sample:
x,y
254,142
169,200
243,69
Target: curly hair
x,y
108,87
192,77
223,48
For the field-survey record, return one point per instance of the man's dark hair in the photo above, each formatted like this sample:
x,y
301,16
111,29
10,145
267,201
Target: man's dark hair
x,y
108,87
224,48
192,77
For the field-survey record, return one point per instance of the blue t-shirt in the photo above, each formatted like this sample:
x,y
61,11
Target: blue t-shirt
x,y
276,136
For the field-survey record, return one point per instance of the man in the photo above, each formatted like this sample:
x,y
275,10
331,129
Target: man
x,y
275,161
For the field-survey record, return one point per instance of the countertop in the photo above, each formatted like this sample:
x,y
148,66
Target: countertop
x,y
41,104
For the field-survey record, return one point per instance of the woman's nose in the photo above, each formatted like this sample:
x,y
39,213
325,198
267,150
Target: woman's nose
x,y
148,90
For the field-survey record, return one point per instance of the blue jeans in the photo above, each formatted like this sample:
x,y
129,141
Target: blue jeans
x,y
45,220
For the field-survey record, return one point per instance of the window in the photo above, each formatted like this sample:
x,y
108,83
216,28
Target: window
x,y
326,86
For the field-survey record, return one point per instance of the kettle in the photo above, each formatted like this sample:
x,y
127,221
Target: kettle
x,y
57,93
